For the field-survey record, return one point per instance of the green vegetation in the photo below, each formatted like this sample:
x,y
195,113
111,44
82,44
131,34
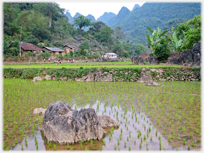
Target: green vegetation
x,y
18,107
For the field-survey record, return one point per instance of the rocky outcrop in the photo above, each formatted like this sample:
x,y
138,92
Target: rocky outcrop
x,y
39,111
145,77
186,57
140,60
62,125
173,60
37,79
197,53
96,76
152,60
107,122
134,59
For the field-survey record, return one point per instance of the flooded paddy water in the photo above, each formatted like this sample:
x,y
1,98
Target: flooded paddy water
x,y
167,117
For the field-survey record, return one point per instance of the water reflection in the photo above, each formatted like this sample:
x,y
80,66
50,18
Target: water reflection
x,y
130,123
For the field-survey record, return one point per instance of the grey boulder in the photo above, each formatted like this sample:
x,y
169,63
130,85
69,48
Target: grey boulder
x,y
63,125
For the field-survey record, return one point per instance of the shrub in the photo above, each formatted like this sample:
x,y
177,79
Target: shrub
x,y
161,51
29,53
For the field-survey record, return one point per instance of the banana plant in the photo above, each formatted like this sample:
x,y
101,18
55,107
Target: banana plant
x,y
154,39
175,43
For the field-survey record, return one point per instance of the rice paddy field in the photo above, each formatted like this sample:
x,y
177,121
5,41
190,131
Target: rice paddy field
x,y
85,65
152,118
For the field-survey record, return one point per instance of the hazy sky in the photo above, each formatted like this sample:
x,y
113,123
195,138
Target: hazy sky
x,y
97,8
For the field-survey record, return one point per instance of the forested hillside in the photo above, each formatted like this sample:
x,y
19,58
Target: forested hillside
x,y
154,15
45,24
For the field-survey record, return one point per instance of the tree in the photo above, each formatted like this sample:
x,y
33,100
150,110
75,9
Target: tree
x,y
41,34
84,47
118,48
161,50
31,39
97,26
50,9
106,33
23,18
193,35
119,34
81,21
139,49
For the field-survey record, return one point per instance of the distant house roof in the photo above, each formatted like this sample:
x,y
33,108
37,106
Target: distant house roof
x,y
29,47
72,47
111,54
95,51
53,49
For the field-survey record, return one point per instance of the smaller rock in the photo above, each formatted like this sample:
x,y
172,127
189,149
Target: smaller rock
x,y
37,79
39,111
152,83
106,121
48,77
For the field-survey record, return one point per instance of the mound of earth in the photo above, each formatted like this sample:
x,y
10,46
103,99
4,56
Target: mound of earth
x,y
63,125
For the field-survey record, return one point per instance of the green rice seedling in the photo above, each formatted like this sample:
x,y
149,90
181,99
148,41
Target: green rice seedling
x,y
169,138
151,137
183,129
189,147
140,145
118,148
101,147
118,141
115,146
7,148
16,140
156,132
85,149
144,137
191,134
54,147
129,148
184,141
192,143
67,145
125,144
50,144
81,144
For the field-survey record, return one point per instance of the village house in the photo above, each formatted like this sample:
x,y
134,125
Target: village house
x,y
69,48
25,47
54,50
110,55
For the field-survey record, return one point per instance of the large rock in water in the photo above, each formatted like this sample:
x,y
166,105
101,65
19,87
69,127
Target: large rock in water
x,y
63,125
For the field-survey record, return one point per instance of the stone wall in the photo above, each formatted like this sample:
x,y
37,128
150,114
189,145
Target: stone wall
x,y
106,74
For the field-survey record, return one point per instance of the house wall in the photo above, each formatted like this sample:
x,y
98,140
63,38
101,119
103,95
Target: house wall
x,y
67,49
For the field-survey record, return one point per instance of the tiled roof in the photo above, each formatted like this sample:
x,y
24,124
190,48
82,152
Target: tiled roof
x,y
53,49
30,47
72,47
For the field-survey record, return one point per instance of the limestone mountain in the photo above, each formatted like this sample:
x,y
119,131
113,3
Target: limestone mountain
x,y
154,15
136,6
106,17
71,20
115,21
91,17
77,15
